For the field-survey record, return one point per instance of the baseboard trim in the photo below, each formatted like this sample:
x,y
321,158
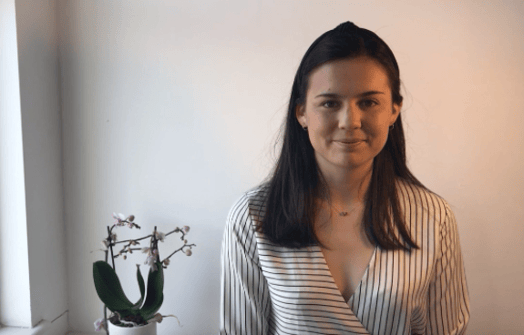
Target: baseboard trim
x,y
44,327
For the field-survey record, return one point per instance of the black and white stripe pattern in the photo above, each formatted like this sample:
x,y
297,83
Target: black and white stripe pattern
x,y
267,289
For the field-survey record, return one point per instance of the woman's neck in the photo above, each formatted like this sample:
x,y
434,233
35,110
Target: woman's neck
x,y
348,187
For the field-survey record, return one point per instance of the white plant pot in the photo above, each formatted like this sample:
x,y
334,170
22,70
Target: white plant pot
x,y
149,329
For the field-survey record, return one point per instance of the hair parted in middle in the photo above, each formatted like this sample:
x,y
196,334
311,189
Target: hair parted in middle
x,y
296,181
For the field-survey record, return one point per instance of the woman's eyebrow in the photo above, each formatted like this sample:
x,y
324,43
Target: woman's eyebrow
x,y
365,94
335,95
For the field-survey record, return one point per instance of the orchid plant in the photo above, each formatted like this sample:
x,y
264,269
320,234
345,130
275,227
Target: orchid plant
x,y
108,287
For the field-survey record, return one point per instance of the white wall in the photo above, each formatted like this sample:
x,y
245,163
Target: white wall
x,y
37,38
33,283
14,265
170,109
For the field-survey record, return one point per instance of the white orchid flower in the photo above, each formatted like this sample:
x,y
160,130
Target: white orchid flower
x,y
161,236
119,218
100,325
150,260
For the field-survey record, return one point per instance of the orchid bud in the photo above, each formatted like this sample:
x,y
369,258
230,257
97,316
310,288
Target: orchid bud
x,y
188,252
185,229
131,218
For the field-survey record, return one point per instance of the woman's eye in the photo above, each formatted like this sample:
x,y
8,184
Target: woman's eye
x,y
329,104
368,103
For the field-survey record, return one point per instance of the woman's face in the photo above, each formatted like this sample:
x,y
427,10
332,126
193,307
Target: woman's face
x,y
348,112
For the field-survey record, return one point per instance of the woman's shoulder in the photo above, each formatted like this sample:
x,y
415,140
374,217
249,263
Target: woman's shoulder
x,y
252,200
248,208
416,199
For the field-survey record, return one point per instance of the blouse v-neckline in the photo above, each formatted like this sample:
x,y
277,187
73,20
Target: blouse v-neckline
x,y
371,262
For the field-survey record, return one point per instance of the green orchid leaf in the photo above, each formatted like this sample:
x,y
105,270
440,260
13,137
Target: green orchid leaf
x,y
109,288
155,292
142,286
148,313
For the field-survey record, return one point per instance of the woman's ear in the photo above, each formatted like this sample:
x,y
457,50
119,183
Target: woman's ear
x,y
396,112
300,113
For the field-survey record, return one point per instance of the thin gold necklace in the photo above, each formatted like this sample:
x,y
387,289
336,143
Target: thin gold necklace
x,y
343,213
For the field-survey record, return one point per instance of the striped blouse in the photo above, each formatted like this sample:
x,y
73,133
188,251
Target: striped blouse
x,y
269,289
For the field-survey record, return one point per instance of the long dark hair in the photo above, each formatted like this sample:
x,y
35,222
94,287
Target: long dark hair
x,y
293,185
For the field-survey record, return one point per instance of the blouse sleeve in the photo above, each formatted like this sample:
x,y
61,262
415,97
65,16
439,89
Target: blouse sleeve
x,y
244,293
448,301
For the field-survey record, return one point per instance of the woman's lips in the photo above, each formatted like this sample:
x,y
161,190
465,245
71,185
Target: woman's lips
x,y
349,143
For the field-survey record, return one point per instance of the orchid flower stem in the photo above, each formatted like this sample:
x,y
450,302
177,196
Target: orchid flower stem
x,y
105,317
105,307
179,249
155,244
176,230
111,248
137,239
126,221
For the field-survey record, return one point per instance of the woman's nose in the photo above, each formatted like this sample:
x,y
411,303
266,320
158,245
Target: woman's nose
x,y
350,117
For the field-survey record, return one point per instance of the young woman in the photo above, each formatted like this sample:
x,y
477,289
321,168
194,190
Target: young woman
x,y
342,238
